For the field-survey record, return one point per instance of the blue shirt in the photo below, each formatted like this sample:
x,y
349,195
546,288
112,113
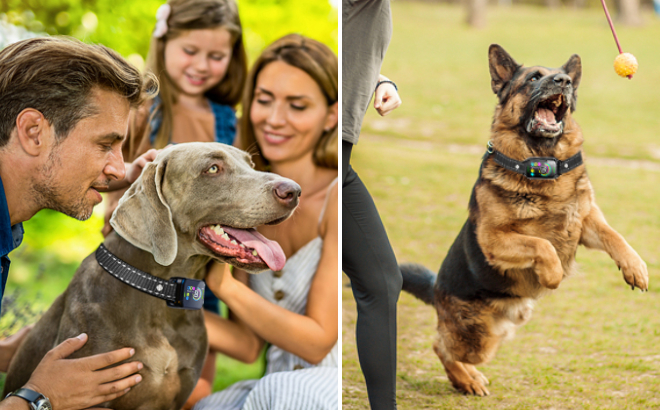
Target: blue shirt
x,y
10,238
225,122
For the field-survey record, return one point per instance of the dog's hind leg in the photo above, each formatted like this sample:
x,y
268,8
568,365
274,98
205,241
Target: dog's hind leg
x,y
475,374
467,336
459,373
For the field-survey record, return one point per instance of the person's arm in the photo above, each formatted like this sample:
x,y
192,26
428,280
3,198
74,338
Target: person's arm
x,y
386,96
14,403
310,336
204,386
231,337
73,384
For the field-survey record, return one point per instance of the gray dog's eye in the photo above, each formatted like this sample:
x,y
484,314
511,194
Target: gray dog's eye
x,y
213,170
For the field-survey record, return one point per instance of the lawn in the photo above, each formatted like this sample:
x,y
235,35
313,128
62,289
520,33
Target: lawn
x,y
592,344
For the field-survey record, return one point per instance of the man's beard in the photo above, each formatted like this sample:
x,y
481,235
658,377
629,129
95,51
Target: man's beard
x,y
49,195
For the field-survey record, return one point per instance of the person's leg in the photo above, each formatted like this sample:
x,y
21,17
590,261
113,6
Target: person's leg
x,y
369,262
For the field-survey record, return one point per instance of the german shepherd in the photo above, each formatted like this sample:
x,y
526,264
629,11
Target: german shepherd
x,y
522,234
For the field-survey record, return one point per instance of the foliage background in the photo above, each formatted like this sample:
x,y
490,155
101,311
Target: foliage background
x,y
55,244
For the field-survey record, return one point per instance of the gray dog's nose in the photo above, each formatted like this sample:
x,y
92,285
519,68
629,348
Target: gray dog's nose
x,y
287,193
562,79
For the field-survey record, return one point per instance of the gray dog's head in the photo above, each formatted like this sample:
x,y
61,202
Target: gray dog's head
x,y
206,199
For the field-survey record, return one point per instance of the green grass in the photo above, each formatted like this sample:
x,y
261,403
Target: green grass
x,y
592,344
441,68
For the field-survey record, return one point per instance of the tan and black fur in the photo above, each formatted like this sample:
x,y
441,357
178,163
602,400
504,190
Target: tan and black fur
x,y
521,236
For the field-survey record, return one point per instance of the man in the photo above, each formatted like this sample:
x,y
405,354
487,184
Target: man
x,y
64,112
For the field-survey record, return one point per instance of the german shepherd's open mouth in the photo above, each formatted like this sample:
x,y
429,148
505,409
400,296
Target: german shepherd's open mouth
x,y
548,117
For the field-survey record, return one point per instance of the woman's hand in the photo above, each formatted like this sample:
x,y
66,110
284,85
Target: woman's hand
x,y
386,98
219,278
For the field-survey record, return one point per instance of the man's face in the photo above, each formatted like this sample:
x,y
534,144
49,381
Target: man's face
x,y
86,160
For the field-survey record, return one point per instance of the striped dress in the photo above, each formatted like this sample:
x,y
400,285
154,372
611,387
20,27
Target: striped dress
x,y
290,382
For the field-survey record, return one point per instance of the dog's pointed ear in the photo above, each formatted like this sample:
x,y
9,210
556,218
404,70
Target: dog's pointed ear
x,y
144,218
573,68
502,67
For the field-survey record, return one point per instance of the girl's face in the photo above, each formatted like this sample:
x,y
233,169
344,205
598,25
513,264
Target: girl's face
x,y
289,112
197,60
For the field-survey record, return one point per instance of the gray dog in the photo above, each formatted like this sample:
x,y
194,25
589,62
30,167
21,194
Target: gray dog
x,y
194,203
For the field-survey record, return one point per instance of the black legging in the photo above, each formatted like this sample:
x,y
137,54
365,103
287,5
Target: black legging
x,y
369,262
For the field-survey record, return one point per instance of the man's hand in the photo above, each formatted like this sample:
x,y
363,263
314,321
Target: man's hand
x,y
10,345
72,384
386,97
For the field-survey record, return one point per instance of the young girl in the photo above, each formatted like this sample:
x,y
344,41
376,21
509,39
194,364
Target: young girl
x,y
290,119
198,55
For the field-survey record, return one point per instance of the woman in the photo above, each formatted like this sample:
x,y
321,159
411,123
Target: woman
x,y
290,122
367,256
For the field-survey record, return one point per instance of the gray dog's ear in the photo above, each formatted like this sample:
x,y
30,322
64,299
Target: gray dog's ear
x,y
502,67
143,217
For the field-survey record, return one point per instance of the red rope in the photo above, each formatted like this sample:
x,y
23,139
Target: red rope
x,y
609,20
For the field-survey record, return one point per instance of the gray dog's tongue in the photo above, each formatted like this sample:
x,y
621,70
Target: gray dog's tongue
x,y
269,251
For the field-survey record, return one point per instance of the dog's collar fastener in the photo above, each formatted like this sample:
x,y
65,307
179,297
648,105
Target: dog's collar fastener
x,y
178,292
535,167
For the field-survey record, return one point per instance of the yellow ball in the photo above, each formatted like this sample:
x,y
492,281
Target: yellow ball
x,y
625,64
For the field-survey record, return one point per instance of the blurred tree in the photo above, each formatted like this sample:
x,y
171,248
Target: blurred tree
x,y
629,14
476,13
126,26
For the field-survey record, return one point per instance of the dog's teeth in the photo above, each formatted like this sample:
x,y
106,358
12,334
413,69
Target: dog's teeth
x,y
233,242
255,253
242,246
225,236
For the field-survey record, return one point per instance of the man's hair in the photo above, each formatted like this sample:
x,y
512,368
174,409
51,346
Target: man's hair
x,y
56,75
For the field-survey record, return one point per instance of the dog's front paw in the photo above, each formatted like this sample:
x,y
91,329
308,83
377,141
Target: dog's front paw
x,y
549,270
634,270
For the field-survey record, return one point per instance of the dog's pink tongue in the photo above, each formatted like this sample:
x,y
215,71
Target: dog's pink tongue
x,y
269,251
546,115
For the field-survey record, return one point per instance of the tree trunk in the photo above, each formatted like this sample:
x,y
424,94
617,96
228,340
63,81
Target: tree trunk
x,y
629,13
553,4
476,13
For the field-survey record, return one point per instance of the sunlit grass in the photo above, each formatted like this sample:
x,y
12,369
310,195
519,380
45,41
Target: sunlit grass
x,y
441,68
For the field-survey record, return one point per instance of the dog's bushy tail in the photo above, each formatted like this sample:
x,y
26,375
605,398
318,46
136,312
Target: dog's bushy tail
x,y
418,281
